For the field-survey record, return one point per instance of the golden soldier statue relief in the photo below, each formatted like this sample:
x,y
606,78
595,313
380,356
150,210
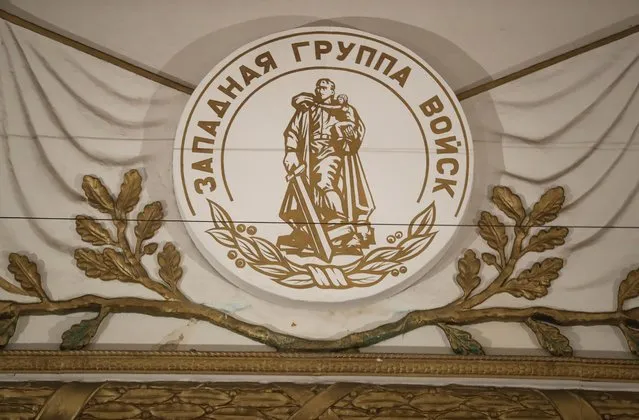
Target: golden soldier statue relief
x,y
328,202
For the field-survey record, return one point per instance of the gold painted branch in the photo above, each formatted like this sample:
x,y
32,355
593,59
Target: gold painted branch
x,y
112,258
416,319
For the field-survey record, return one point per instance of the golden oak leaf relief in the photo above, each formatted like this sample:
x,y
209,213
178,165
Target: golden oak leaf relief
x,y
509,203
548,207
461,341
629,288
26,274
149,221
130,191
550,338
92,231
492,230
98,196
534,282
468,272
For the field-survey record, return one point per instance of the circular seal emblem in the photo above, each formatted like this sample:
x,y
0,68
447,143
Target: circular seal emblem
x,y
322,165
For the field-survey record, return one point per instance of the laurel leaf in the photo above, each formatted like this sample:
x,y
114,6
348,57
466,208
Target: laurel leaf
x,y
547,239
461,341
629,288
383,253
149,221
423,222
26,274
79,335
550,338
412,247
268,250
222,236
220,217
92,231
169,261
492,230
118,265
98,195
298,281
275,270
380,266
548,207
509,203
534,282
365,277
632,337
8,324
248,250
489,259
93,264
130,191
468,268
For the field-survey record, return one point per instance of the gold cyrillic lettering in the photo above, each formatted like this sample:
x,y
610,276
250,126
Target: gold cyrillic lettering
x,y
431,106
445,184
401,76
322,48
360,54
344,50
228,90
266,61
248,74
447,161
391,62
195,148
219,107
205,165
200,182
209,126
441,125
296,47
444,145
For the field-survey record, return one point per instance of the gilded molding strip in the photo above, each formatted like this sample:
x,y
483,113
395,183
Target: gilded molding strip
x,y
207,400
188,88
316,364
67,401
101,55
484,87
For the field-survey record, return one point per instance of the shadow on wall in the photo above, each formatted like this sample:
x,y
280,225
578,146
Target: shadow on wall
x,y
453,64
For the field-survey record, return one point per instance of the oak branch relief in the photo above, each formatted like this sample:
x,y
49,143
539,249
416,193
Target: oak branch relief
x,y
112,257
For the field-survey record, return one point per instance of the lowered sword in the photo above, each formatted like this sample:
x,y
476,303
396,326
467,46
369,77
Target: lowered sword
x,y
318,234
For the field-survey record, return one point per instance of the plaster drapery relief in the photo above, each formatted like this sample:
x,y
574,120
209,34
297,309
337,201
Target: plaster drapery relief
x,y
571,125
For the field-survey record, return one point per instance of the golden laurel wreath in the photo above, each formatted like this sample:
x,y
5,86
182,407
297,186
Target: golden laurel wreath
x,y
264,257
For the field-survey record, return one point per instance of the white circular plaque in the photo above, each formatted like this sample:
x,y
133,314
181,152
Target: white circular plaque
x,y
322,165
